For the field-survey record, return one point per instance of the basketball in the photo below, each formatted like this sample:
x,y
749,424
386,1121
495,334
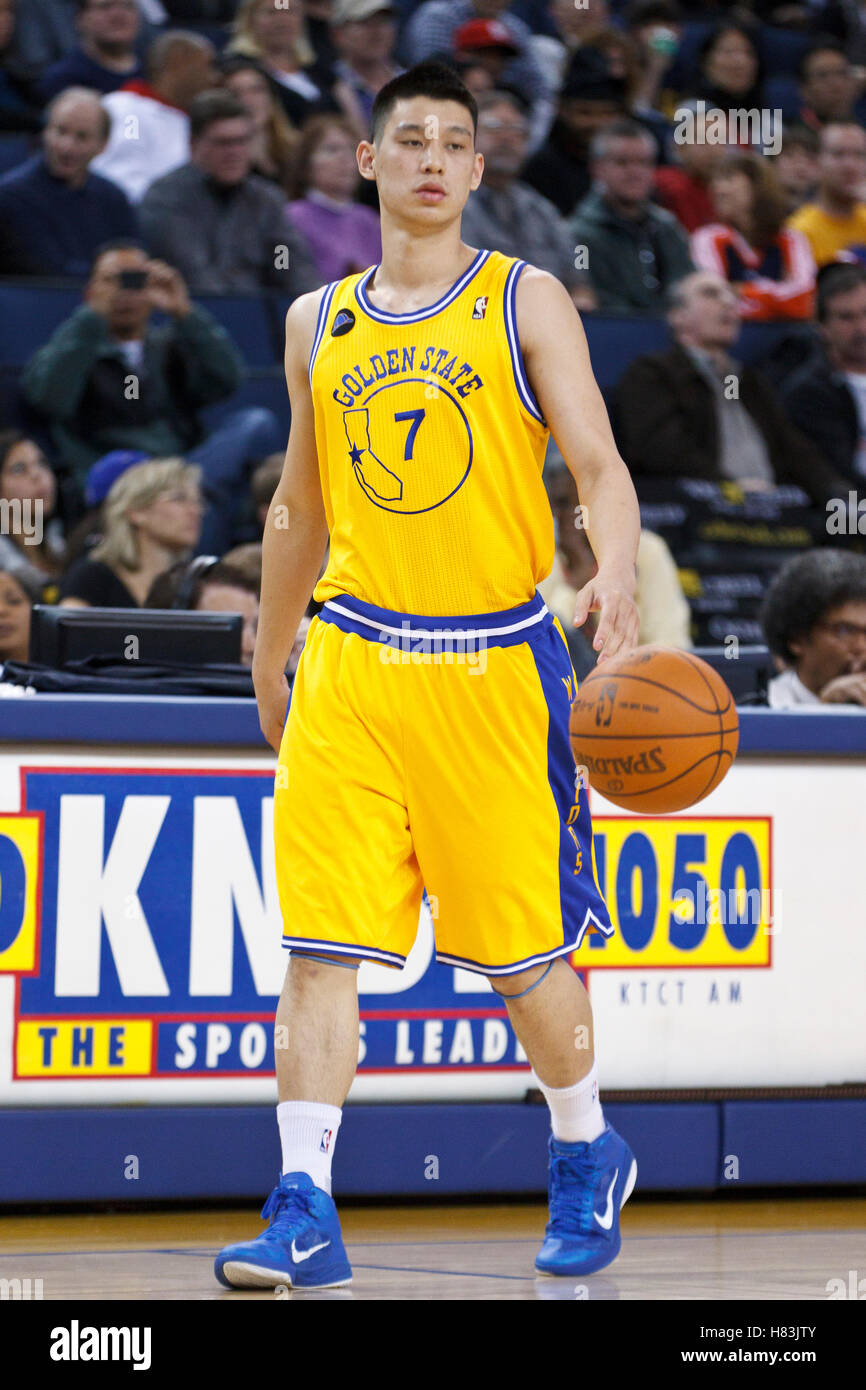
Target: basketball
x,y
656,730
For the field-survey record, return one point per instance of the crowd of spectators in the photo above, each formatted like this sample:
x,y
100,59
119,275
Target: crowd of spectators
x,y
701,166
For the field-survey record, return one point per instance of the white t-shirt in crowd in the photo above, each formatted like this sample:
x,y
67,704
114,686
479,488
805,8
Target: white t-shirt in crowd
x,y
148,139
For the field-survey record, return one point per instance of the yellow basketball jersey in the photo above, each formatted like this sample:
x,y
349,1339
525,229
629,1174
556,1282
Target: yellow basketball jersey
x,y
431,446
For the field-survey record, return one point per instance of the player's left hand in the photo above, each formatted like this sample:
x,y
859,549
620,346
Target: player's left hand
x,y
611,595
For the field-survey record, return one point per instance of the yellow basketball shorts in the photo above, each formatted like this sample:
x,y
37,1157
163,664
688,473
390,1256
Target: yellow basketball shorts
x,y
433,753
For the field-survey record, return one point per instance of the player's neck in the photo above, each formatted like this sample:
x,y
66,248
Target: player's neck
x,y
415,268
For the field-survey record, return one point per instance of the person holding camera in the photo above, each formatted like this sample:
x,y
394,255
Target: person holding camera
x,y
110,378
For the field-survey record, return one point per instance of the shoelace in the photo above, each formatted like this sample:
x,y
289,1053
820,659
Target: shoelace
x,y
572,1189
293,1203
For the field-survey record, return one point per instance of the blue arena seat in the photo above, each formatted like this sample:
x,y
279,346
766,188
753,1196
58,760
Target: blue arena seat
x,y
14,149
29,314
615,340
264,388
782,49
248,319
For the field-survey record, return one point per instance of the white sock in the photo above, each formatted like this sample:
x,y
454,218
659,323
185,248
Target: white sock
x,y
308,1132
575,1111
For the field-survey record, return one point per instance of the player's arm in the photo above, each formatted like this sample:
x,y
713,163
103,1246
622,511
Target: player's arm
x,y
557,361
296,530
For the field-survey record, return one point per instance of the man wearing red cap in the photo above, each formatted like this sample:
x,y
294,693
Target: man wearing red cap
x,y
434,28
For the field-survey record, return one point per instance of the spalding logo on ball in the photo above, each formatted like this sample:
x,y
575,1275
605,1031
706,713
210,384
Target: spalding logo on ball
x,y
656,730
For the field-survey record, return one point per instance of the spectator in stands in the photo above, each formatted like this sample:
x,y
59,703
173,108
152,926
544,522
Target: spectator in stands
x,y
151,517
209,585
472,74
343,236
19,108
224,228
655,26
274,141
623,58
106,55
18,593
828,85
770,265
364,34
694,412
796,165
31,541
108,379
431,30
729,68
490,45
248,559
54,211
835,222
277,36
44,32
263,485
572,26
826,397
149,119
662,607
634,251
589,100
814,620
683,187
504,213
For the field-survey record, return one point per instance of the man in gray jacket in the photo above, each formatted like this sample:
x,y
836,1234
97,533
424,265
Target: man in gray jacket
x,y
224,228
633,250
507,215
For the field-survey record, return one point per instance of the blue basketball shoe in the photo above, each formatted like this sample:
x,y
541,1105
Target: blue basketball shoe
x,y
589,1184
302,1247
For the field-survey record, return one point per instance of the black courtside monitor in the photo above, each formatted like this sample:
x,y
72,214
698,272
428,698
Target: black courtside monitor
x,y
143,636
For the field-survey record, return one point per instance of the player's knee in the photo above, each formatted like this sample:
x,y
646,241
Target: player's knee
x,y
509,985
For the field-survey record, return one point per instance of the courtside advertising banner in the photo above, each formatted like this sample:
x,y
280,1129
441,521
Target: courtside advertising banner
x,y
140,955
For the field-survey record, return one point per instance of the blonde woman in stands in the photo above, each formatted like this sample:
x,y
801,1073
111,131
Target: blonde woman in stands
x,y
278,38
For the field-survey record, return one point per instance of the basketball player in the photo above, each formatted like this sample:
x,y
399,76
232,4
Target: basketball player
x,y
427,739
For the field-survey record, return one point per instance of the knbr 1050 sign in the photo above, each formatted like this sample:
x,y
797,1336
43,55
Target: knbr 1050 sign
x,y
691,891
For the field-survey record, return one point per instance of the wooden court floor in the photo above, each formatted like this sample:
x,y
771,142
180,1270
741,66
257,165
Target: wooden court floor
x,y
755,1248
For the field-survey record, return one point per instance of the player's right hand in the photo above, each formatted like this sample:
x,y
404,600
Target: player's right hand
x,y
272,697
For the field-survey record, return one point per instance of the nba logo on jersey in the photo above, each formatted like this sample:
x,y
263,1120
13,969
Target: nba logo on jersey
x,y
480,308
326,1140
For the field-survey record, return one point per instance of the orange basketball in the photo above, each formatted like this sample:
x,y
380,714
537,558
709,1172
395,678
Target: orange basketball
x,y
655,730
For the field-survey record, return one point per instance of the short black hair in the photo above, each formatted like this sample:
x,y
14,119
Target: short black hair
x,y
209,107
746,28
839,277
126,243
182,585
830,44
437,81
804,590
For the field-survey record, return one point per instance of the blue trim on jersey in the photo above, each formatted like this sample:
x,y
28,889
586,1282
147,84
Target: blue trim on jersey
x,y
581,904
506,628
340,948
383,316
328,959
514,969
521,379
320,323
